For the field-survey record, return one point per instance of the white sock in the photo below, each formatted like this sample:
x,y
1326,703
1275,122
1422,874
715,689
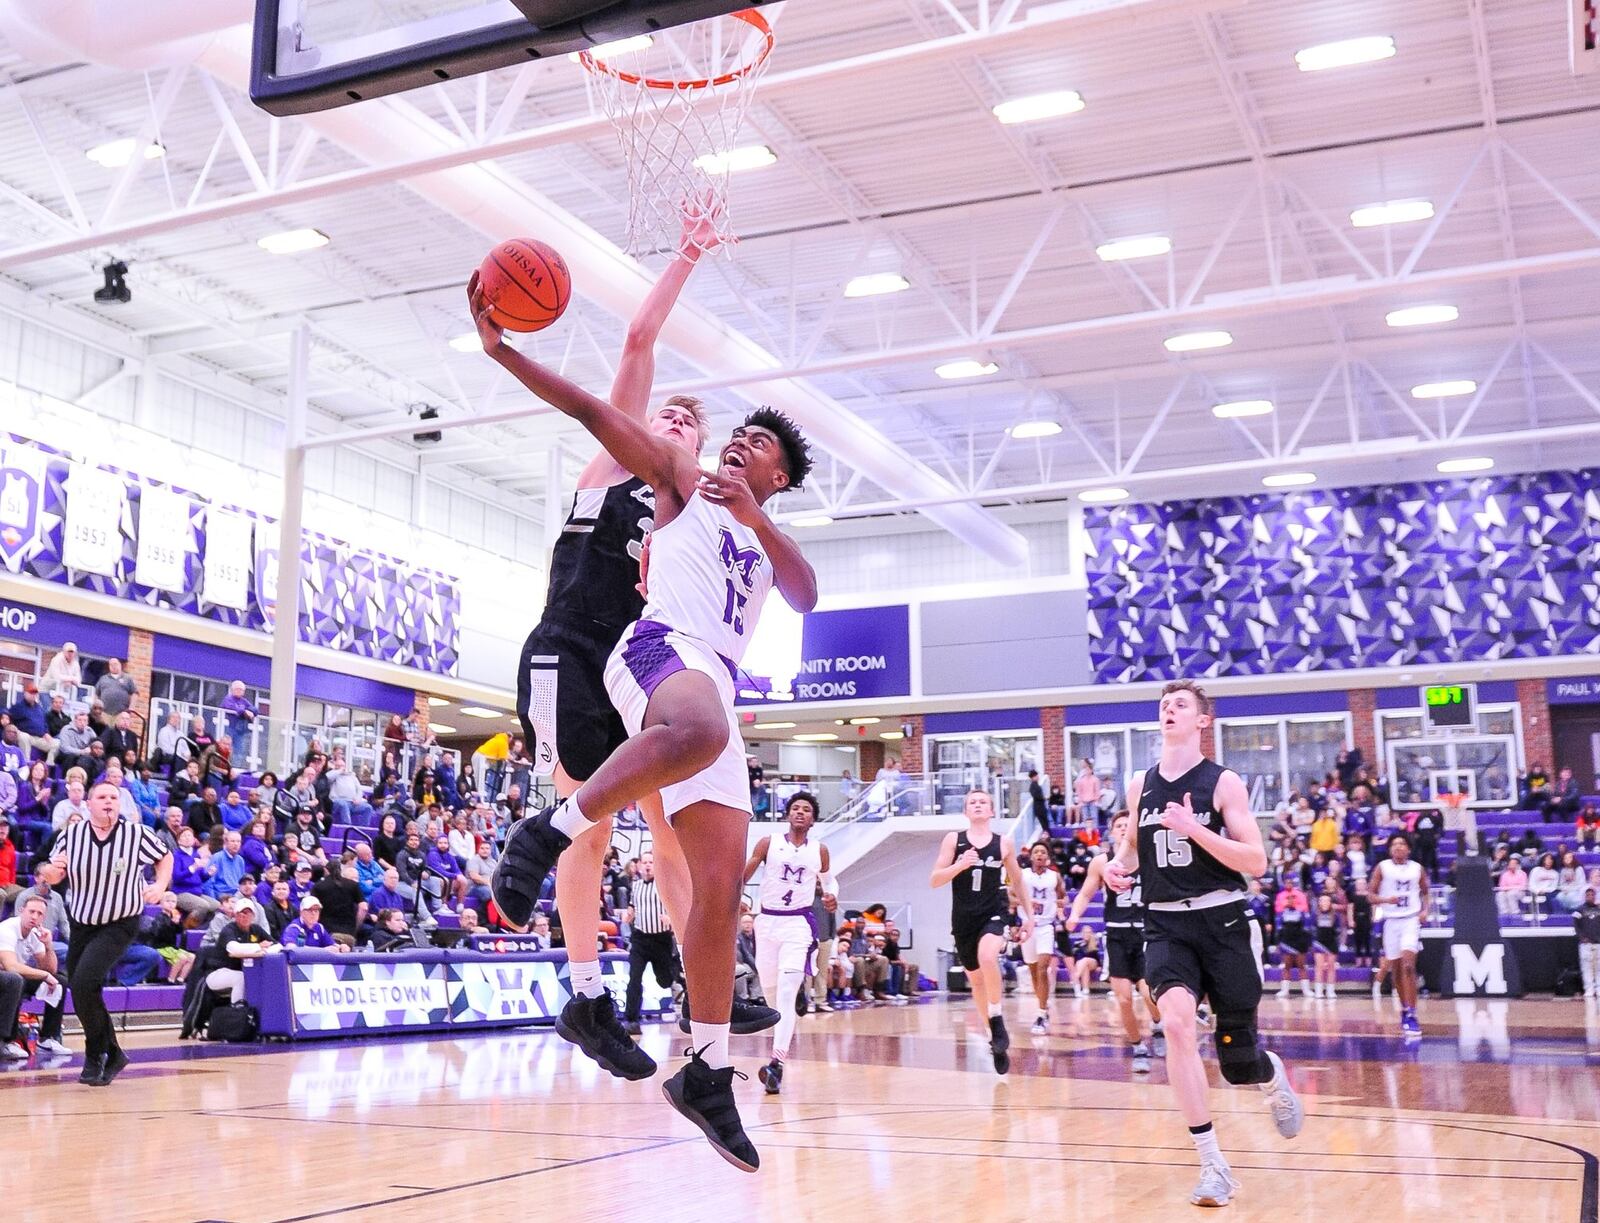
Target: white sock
x,y
710,1040
585,978
994,1010
1206,1145
571,821
788,987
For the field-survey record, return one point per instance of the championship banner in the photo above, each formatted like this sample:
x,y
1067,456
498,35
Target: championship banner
x,y
92,542
164,539
267,570
228,555
22,476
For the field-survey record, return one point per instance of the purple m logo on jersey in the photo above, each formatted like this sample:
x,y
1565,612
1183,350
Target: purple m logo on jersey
x,y
742,561
792,873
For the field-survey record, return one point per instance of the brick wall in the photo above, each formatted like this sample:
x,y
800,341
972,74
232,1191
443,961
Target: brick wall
x,y
141,653
1364,730
1052,722
422,711
909,749
1208,741
872,756
1537,742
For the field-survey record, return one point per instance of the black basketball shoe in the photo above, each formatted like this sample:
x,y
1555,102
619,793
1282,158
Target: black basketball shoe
x,y
705,1097
1000,1044
747,1018
532,848
592,1025
771,1076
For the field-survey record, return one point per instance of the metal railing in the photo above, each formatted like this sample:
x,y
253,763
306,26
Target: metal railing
x,y
12,684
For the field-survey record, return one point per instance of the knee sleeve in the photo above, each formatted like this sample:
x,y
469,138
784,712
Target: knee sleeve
x,y
1239,1052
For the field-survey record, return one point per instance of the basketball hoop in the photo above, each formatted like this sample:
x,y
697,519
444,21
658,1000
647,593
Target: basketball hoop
x,y
678,101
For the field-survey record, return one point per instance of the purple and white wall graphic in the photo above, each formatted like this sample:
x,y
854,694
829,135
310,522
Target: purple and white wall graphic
x,y
1404,575
117,533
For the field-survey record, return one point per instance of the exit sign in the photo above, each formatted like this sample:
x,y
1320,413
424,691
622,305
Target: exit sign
x,y
1450,706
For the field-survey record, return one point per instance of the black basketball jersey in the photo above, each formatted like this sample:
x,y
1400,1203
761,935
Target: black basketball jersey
x,y
595,563
1172,867
1126,908
980,891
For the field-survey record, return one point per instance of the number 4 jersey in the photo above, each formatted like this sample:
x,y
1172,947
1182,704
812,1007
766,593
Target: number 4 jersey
x,y
789,878
1172,867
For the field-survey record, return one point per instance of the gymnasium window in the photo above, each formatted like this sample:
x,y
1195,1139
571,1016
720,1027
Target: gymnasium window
x,y
1277,756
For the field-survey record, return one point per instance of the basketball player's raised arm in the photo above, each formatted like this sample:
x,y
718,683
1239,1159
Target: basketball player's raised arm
x,y
1241,849
655,460
636,372
758,855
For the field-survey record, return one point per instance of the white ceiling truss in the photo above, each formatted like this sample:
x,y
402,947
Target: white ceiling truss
x,y
1197,125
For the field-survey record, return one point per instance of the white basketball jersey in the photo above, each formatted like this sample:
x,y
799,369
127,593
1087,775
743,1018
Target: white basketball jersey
x,y
709,578
789,881
1404,881
1041,894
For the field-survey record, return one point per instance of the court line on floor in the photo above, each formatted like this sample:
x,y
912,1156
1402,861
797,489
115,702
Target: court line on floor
x,y
447,1129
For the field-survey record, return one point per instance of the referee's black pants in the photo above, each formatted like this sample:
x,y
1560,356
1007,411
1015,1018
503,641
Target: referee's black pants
x,y
659,952
91,952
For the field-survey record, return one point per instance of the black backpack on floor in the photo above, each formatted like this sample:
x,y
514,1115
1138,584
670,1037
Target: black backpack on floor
x,y
239,1023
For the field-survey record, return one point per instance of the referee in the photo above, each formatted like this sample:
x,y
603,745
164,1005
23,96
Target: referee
x,y
104,858
651,942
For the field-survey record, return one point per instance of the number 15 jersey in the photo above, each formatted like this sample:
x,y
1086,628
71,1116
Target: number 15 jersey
x,y
1171,866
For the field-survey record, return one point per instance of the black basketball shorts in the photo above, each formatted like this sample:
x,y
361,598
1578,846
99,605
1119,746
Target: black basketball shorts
x,y
1125,953
567,717
969,936
1213,953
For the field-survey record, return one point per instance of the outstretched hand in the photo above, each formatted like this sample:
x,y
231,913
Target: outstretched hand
x,y
490,333
702,218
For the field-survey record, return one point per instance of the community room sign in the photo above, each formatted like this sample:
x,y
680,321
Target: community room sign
x,y
854,654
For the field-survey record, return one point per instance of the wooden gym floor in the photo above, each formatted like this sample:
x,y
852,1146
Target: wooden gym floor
x,y
887,1114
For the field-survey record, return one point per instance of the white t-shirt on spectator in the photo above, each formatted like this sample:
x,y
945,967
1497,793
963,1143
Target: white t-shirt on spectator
x,y
29,949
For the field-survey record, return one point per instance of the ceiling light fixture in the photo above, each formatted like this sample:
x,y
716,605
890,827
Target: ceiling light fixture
x,y
1197,341
478,711
439,728
822,738
117,153
1444,390
1040,106
438,702
1289,479
967,367
1395,212
1034,428
1134,248
811,520
1102,496
1421,316
293,241
1345,54
890,734
1451,467
610,50
1242,407
876,284
773,726
865,721
745,157
467,341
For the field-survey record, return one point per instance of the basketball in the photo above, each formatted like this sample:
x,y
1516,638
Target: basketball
x,y
527,284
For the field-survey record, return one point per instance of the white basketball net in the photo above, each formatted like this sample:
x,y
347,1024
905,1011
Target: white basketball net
x,y
677,106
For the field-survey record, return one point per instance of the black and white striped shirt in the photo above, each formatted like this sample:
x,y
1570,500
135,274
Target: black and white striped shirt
x,y
649,914
105,878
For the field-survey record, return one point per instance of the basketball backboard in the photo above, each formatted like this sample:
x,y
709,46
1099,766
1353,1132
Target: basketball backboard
x,y
312,55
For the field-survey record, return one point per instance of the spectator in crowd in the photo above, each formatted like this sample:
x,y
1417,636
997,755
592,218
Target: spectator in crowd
x,y
412,863
307,930
869,976
342,903
242,941
389,840
205,814
1076,868
186,787
849,787
171,749
746,979
216,767
164,932
300,883
308,837
75,740
224,919
73,804
57,717
1324,832
115,689
303,798
278,910
146,796
904,977
513,805
1512,889
445,880
1564,800
10,889
199,739
1571,883
389,930
65,670
13,759
235,812
36,799
28,716
1327,921
349,804
227,867
388,894
1293,913
1534,789
119,738
240,714
28,963
1585,921
1086,952
463,845
369,871
8,795
540,932
1086,794
1543,880
479,870
191,874
1040,808
172,824
257,847
93,762
889,782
